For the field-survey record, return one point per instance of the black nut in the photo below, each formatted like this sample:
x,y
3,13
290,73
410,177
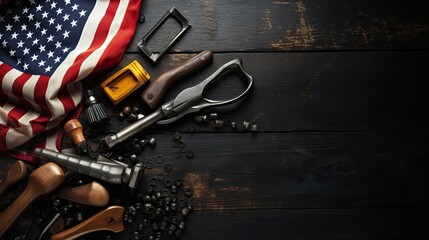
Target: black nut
x,y
189,153
168,183
182,202
187,191
165,193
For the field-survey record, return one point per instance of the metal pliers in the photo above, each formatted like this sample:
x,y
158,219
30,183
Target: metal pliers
x,y
188,101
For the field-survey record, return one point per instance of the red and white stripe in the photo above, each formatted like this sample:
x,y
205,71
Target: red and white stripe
x,y
31,104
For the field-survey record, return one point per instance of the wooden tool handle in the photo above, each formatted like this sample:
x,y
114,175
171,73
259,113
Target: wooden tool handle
x,y
74,129
43,180
156,90
109,219
17,171
92,194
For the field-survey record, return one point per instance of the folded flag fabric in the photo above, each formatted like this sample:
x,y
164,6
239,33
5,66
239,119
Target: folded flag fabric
x,y
46,48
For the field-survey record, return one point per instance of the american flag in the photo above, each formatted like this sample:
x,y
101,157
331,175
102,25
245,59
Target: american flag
x,y
46,48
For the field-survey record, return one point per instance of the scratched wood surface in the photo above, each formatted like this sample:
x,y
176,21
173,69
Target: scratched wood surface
x,y
339,98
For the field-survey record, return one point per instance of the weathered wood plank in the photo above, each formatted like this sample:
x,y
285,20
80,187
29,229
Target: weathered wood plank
x,y
290,25
343,91
373,223
296,170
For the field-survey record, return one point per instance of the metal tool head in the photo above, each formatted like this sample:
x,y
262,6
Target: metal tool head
x,y
192,99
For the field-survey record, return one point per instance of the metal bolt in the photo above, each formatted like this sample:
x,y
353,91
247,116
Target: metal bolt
x,y
233,125
133,158
198,119
140,116
185,211
213,116
132,118
149,208
152,142
163,225
205,118
218,124
126,110
143,142
136,110
177,136
79,217
182,225
173,189
155,226
141,19
137,148
253,128
246,125
121,115
178,233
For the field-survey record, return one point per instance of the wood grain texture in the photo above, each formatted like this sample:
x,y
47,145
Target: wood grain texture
x,y
345,91
109,219
297,170
16,172
339,97
42,181
289,25
356,224
92,194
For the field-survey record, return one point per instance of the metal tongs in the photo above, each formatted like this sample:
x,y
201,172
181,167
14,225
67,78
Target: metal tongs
x,y
188,101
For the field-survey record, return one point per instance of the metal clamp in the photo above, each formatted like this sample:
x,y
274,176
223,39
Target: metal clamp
x,y
143,43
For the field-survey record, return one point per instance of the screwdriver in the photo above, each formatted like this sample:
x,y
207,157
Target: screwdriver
x,y
156,90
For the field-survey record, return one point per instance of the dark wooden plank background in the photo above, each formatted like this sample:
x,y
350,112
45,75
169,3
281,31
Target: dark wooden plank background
x,y
340,101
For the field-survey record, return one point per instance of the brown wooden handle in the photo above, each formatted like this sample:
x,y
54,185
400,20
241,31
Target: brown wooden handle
x,y
156,90
16,172
109,219
43,180
74,129
92,194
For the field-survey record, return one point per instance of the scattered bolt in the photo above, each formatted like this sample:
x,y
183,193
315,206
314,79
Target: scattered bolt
x,y
143,142
198,119
213,116
177,136
234,125
253,128
137,148
126,111
140,116
136,110
185,211
132,118
152,142
218,124
246,125
173,189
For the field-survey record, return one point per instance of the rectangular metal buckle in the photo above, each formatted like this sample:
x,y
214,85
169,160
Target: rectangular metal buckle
x,y
143,42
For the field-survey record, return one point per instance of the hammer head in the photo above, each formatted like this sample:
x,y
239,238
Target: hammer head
x,y
135,177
